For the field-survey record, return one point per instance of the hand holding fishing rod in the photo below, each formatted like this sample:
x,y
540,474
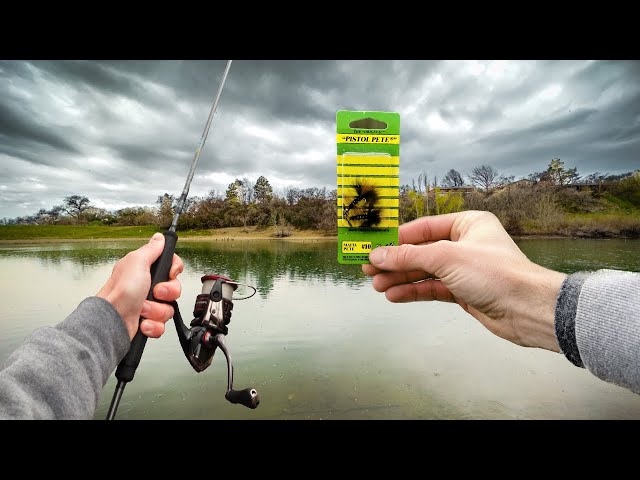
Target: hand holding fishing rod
x,y
160,269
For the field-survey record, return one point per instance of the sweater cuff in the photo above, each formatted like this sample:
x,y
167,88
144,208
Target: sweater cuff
x,y
565,317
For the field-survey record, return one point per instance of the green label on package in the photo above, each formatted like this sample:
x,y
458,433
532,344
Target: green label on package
x,y
368,172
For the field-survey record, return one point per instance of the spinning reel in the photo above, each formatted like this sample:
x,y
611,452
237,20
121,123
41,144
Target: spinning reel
x,y
212,314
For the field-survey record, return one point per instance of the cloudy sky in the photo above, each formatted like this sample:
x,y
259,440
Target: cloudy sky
x,y
124,132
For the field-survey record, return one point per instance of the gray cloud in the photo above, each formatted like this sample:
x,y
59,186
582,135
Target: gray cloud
x,y
123,132
17,128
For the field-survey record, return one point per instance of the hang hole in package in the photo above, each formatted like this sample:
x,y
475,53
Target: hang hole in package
x,y
368,173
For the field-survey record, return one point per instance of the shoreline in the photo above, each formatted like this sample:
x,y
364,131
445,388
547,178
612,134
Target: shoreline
x,y
251,238
77,234
204,238
100,234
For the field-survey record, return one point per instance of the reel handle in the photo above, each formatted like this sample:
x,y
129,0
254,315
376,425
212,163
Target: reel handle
x,y
248,397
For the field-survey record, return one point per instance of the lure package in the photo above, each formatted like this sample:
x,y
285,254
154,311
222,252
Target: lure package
x,y
368,173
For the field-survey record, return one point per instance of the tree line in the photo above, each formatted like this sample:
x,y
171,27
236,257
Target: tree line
x,y
541,198
547,202
245,203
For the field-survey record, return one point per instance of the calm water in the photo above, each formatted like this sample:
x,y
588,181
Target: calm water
x,y
318,342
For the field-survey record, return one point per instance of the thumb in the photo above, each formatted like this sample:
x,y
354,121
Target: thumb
x,y
152,250
408,257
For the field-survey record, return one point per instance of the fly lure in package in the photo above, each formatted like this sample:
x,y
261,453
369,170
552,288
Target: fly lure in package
x,y
368,173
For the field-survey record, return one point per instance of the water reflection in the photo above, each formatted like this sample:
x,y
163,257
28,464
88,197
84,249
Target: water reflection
x,y
84,255
573,255
257,262
264,262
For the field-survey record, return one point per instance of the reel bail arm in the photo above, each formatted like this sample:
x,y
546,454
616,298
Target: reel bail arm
x,y
212,314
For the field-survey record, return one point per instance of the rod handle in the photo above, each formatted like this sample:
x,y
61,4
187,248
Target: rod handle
x,y
159,273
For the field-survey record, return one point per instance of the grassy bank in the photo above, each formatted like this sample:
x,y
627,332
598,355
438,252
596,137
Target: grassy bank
x,y
15,233
603,225
611,224
586,225
72,232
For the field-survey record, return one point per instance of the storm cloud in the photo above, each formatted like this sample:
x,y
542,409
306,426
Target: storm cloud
x,y
124,132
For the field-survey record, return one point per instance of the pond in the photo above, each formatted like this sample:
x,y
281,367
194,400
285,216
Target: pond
x,y
317,342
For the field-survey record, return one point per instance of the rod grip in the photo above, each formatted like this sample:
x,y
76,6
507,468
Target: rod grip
x,y
159,273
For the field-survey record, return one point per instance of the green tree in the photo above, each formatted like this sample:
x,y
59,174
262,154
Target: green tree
x,y
240,191
239,198
417,201
561,175
448,202
234,193
262,191
405,210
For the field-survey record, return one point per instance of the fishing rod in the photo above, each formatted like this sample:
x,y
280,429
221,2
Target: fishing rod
x,y
160,269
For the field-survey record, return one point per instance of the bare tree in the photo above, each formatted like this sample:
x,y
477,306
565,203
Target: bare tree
x,y
76,204
505,180
452,179
215,195
291,195
547,212
423,182
484,177
166,209
538,177
595,177
248,191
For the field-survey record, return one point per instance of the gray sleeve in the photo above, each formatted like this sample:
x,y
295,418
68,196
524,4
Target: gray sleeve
x,y
598,324
59,372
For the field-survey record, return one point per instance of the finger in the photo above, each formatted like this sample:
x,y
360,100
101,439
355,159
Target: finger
x,y
156,311
384,281
152,250
407,257
152,329
168,291
425,290
432,228
177,267
371,270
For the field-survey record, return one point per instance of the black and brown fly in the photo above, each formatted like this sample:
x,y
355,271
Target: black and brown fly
x,y
360,209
